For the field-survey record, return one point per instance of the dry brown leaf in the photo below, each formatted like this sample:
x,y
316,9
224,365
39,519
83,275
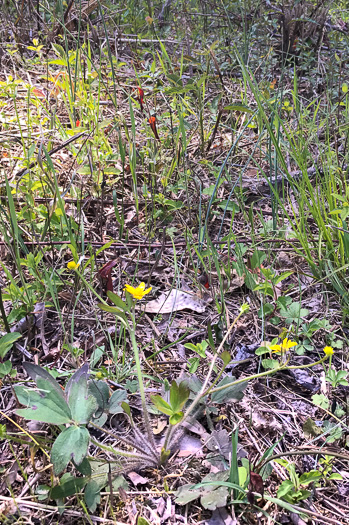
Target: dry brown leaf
x,y
137,479
190,445
174,301
237,281
161,424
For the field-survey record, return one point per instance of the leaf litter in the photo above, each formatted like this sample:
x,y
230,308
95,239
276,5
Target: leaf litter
x,y
265,415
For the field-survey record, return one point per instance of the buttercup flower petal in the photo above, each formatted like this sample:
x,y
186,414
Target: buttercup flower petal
x,y
139,292
287,344
72,265
129,288
328,350
275,348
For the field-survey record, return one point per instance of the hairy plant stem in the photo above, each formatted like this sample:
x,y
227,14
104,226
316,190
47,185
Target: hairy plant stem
x,y
90,288
138,458
141,387
203,392
128,442
190,409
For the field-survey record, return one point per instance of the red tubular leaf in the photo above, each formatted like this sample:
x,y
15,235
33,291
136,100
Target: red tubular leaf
x,y
105,274
152,122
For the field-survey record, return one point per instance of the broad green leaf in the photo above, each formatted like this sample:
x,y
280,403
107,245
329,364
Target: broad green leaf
x,y
179,395
6,342
100,391
226,357
84,468
126,408
115,311
186,494
117,301
335,476
71,444
142,521
285,487
82,404
44,404
68,488
59,50
176,418
114,405
81,373
229,206
36,372
257,258
215,498
234,392
161,405
281,277
92,495
309,477
200,348
190,346
5,368
271,364
262,350
193,364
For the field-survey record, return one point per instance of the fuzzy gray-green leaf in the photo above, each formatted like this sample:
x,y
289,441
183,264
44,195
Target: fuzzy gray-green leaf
x,y
71,444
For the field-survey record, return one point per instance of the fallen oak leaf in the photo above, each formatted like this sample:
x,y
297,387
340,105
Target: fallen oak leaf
x,y
174,301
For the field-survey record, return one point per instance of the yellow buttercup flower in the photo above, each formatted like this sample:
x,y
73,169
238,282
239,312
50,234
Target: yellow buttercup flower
x,y
139,292
328,350
72,265
285,345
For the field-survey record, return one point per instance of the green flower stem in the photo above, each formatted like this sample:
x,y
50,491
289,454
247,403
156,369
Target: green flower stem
x,y
303,452
262,374
131,330
90,287
204,386
216,380
244,380
308,366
